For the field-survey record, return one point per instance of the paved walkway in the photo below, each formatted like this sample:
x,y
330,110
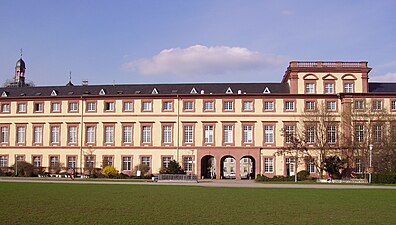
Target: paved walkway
x,y
211,183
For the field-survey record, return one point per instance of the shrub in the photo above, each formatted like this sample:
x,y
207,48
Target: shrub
x,y
173,168
303,175
264,178
110,171
144,169
380,178
25,169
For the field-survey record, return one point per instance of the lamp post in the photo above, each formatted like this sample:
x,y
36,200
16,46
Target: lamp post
x,y
370,162
192,164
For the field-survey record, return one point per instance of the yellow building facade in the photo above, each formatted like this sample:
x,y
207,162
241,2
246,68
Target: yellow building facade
x,y
222,130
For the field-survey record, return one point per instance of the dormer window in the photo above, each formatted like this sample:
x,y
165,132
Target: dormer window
x,y
155,91
102,92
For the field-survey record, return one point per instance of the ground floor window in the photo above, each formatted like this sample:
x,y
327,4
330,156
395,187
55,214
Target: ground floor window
x,y
187,163
268,165
71,162
126,163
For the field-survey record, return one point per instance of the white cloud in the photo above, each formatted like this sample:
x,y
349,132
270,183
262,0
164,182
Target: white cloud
x,y
203,60
389,77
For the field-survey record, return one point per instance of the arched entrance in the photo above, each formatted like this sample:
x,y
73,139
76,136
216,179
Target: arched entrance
x,y
208,167
228,167
248,167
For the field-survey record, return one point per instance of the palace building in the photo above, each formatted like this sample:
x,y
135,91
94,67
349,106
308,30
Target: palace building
x,y
227,130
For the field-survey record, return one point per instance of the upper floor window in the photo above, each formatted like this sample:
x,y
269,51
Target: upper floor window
x,y
228,105
228,134
248,105
269,134
55,132
91,135
146,134
268,105
208,105
208,134
91,106
38,107
289,105
309,88
167,134
377,105
147,106
329,88
21,135
393,105
109,106
359,104
56,107
331,105
128,106
109,134
310,134
188,105
310,105
167,106
331,134
21,107
73,106
5,108
289,133
248,134
348,87
188,134
4,135
359,133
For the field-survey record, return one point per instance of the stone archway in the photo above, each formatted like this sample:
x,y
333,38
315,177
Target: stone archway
x,y
248,167
208,167
228,167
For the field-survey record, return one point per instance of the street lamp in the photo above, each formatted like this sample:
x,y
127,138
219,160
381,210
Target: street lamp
x,y
370,162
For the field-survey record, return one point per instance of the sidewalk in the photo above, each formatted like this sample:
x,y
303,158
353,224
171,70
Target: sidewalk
x,y
209,183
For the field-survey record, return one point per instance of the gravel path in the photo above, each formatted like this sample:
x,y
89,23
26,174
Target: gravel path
x,y
214,183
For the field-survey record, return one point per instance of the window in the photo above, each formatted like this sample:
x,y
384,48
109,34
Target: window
x,y
269,134
377,104
36,161
127,134
71,162
188,134
310,134
248,134
73,106
329,88
311,167
146,134
146,160
109,134
359,133
268,165
55,134
310,88
167,106
208,105
3,161
38,107
21,135
358,166
248,106
128,106
209,134
289,133
331,134
165,161
72,135
228,105
348,88
331,105
20,158
393,133
126,163
393,104
228,134
89,161
56,107
268,105
54,160
109,106
4,135
90,135
187,163
377,133
107,161
5,108
91,106
21,107
38,135
289,105
359,104
310,105
147,106
167,134
188,105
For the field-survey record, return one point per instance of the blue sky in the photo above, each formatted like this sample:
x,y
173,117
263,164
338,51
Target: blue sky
x,y
191,41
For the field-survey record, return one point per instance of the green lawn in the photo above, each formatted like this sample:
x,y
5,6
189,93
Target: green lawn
x,y
35,203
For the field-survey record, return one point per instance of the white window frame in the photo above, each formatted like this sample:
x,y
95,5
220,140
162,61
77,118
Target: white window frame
x,y
208,134
228,134
228,106
188,131
167,132
248,134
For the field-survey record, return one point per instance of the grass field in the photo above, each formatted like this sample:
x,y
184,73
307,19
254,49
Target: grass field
x,y
35,203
